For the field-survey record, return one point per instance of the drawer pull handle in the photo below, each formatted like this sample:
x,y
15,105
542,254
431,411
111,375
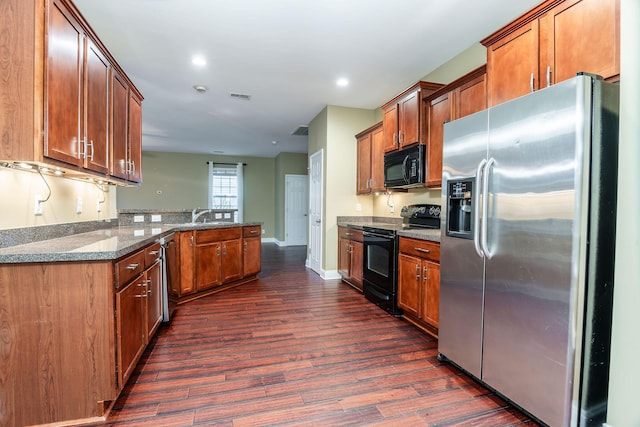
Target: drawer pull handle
x,y
133,266
154,253
417,272
253,232
426,251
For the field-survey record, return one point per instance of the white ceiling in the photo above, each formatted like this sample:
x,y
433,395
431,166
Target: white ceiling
x,y
286,54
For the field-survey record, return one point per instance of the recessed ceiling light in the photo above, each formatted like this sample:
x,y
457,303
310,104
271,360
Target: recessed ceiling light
x,y
274,142
200,88
199,61
342,82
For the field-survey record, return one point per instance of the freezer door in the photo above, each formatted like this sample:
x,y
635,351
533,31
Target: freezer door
x,y
535,231
461,268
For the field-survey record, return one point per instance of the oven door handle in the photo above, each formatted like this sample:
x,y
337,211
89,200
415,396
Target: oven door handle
x,y
384,236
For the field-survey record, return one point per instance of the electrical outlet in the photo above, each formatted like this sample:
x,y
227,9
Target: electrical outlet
x,y
78,205
98,205
392,209
37,208
156,218
138,218
358,207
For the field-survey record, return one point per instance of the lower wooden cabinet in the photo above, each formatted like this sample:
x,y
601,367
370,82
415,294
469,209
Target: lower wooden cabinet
x,y
350,256
138,307
419,282
252,250
214,259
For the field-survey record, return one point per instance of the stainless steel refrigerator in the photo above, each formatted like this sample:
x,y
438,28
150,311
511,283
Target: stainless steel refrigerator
x,y
527,248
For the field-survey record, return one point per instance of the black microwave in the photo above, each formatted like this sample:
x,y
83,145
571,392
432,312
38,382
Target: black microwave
x,y
405,168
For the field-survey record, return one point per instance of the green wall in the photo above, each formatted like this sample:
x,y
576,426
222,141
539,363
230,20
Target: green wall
x,y
286,164
182,179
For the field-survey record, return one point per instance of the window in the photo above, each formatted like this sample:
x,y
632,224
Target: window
x,y
225,189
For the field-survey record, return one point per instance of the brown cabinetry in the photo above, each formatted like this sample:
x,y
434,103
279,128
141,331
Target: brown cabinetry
x,y
251,255
552,43
402,117
138,307
460,98
370,160
214,259
218,257
419,282
56,107
350,256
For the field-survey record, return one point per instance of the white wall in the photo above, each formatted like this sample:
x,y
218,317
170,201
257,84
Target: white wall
x,y
624,404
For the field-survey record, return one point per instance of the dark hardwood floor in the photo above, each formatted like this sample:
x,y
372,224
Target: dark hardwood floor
x,y
292,349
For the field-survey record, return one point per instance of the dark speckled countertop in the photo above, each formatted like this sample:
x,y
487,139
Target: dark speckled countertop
x,y
416,233
106,244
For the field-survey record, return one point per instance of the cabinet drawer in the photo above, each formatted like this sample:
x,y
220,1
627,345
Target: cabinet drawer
x,y
217,235
420,248
351,234
129,267
151,254
251,231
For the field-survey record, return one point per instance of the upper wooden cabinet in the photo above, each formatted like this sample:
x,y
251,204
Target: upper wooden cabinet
x,y
56,108
402,117
370,161
460,98
552,43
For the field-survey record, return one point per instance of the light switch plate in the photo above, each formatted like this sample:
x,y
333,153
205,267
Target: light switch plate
x,y
78,205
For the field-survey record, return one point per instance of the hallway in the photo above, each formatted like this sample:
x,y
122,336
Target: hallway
x,y
292,349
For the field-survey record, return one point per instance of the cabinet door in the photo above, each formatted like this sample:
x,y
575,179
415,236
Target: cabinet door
x,y
363,185
390,127
63,78
431,288
97,112
231,260
377,160
130,328
135,139
580,35
512,64
409,119
439,113
252,256
187,262
471,97
154,299
344,257
355,267
208,265
119,123
409,284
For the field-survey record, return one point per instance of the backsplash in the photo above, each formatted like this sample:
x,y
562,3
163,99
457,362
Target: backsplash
x,y
171,216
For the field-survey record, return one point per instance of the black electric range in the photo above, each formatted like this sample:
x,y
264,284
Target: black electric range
x,y
379,270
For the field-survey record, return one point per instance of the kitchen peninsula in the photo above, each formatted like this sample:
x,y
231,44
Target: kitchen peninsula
x,y
77,312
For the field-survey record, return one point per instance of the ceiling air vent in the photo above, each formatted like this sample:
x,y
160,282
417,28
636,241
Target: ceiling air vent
x,y
240,96
301,131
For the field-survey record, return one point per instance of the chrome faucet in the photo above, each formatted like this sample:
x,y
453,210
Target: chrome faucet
x,y
195,214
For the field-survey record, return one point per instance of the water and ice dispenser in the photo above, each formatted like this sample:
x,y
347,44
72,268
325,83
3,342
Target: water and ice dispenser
x,y
460,208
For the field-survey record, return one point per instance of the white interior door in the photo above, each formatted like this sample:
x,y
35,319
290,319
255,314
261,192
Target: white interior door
x,y
316,171
296,200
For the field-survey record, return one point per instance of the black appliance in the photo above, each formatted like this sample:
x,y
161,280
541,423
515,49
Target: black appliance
x,y
380,248
405,168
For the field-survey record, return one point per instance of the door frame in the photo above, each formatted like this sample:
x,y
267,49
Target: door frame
x,y
316,192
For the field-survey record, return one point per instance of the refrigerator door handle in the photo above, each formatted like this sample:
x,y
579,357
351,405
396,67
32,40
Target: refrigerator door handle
x,y
485,207
476,212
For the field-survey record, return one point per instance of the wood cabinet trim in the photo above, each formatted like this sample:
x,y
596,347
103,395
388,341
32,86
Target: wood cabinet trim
x,y
528,17
421,86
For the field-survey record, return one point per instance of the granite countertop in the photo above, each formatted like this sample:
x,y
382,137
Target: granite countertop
x,y
415,233
99,245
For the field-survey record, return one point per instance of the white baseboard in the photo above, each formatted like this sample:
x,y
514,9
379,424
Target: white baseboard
x,y
330,275
269,240
280,243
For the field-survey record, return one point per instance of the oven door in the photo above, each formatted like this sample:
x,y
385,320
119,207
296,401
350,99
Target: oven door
x,y
379,270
